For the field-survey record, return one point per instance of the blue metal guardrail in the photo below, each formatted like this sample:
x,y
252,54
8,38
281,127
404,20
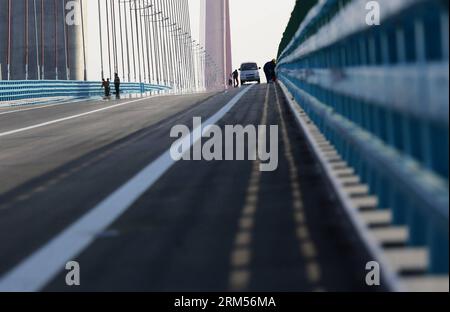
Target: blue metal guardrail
x,y
31,89
380,94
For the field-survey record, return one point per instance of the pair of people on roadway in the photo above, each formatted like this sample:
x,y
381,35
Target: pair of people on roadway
x,y
106,85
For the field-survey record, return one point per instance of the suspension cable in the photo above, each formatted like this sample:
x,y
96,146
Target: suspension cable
x,y
144,70
178,42
55,10
169,43
183,46
126,40
108,36
150,41
121,41
156,45
175,44
84,42
27,47
190,48
132,41
137,39
8,52
66,52
36,41
114,37
101,38
167,46
147,41
42,41
170,26
162,46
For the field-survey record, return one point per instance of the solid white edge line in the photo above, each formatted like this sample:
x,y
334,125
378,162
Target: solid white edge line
x,y
55,121
51,122
33,273
374,248
47,104
39,106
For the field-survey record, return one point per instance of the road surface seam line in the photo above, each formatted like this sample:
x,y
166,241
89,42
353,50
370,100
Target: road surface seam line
x,y
307,246
241,254
37,270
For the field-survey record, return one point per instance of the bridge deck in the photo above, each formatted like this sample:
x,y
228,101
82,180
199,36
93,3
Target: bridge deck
x,y
207,226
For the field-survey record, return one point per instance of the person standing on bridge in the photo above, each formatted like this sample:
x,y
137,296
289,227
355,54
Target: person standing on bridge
x,y
236,78
106,86
117,85
269,71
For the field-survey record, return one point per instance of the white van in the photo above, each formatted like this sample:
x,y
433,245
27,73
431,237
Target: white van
x,y
249,72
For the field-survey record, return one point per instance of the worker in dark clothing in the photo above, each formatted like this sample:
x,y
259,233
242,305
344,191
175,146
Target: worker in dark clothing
x,y
269,70
236,78
106,86
117,84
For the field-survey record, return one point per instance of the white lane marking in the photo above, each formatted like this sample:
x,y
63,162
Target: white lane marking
x,y
74,101
48,123
33,273
18,110
49,104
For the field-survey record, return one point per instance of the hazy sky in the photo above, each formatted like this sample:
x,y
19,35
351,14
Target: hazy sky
x,y
257,27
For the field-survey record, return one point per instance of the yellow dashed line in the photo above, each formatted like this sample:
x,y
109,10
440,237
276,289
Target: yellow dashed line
x,y
313,272
241,255
246,223
302,233
307,247
299,218
239,279
243,239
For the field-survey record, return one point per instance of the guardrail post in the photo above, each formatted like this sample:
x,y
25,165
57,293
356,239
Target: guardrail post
x,y
439,251
399,203
417,226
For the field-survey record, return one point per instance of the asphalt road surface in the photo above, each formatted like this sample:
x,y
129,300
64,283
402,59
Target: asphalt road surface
x,y
91,182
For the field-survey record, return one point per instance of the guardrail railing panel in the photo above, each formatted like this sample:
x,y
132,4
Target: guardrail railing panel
x,y
27,89
380,95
